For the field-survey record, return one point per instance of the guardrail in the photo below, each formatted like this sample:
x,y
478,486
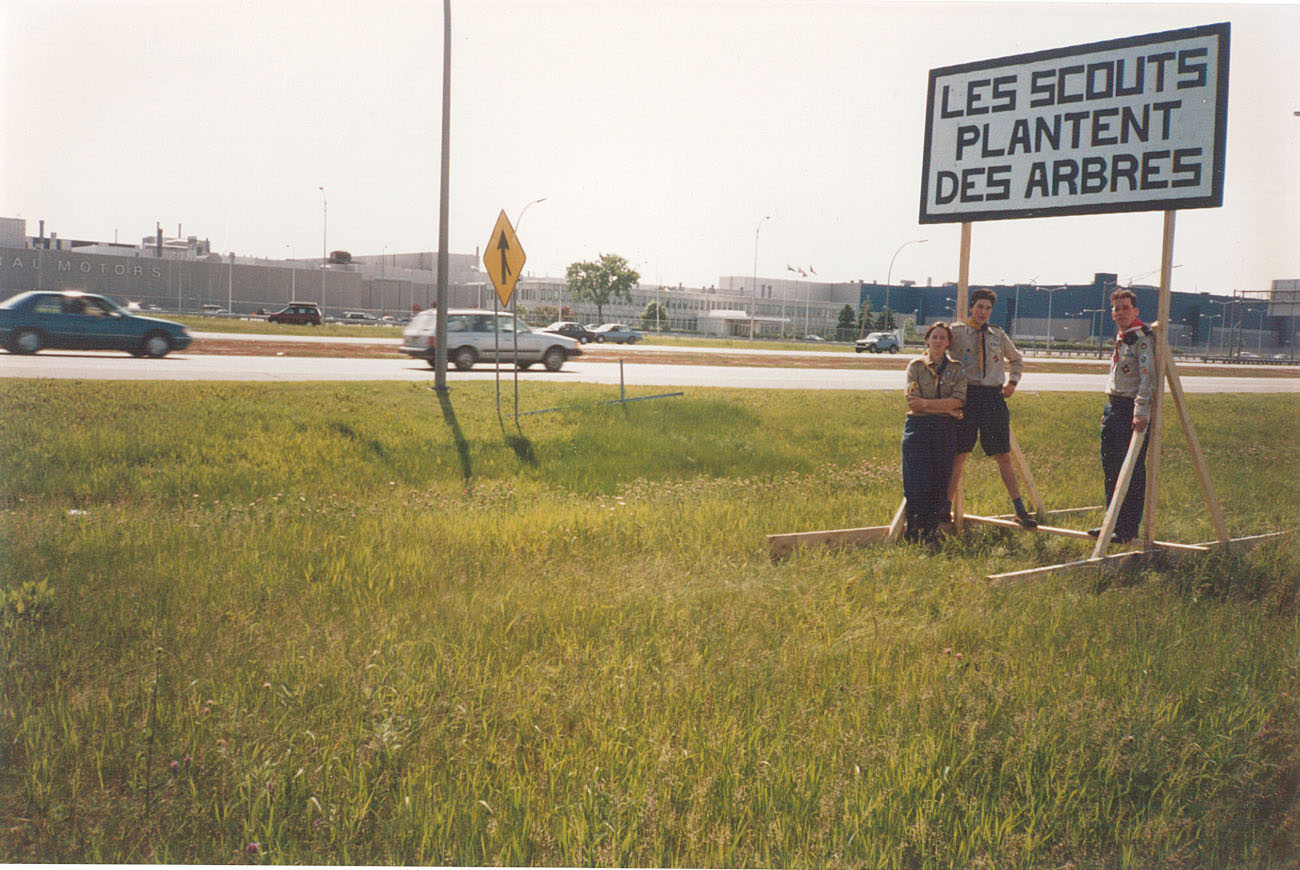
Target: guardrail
x,y
1247,360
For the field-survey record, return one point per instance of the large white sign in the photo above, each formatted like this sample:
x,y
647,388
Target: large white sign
x,y
1134,124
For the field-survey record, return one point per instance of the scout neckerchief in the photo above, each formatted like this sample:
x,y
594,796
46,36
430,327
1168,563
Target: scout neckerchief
x,y
1119,337
938,374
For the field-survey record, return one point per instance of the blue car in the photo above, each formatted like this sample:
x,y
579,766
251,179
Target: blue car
x,y
73,320
616,333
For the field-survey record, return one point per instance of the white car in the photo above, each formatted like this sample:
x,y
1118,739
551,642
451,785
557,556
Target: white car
x,y
471,338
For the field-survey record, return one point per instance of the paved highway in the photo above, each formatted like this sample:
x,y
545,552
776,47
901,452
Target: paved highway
x,y
199,367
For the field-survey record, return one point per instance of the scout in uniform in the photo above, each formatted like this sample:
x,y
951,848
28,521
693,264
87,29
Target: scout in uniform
x,y
1128,409
936,391
986,353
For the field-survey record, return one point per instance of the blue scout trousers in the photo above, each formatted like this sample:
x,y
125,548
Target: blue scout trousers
x,y
929,445
1116,430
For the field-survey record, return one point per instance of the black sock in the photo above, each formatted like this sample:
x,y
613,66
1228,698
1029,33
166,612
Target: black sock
x,y
1019,504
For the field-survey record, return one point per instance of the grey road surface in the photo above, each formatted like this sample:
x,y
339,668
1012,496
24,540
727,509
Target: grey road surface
x,y
199,367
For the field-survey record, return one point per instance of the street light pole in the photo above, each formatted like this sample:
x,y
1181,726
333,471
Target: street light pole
x,y
889,276
293,273
324,233
753,287
1050,291
1101,322
520,219
1223,322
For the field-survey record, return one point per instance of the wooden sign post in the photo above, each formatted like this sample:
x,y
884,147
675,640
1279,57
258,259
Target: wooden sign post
x,y
982,162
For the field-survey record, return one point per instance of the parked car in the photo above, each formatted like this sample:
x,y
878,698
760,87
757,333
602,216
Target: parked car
x,y
297,312
877,342
72,320
572,329
358,317
212,309
616,333
472,339
813,338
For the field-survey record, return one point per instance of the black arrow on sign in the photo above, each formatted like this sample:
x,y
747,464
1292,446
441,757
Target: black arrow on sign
x,y
503,245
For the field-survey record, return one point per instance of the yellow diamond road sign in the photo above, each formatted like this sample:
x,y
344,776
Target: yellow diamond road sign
x,y
504,258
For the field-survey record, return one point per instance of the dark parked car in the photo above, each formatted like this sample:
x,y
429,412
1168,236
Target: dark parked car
x,y
572,329
616,333
297,312
72,320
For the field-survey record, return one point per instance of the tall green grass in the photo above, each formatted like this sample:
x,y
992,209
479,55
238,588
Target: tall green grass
x,y
369,626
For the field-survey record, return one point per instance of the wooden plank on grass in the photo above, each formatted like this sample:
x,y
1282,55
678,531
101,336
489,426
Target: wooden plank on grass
x,y
1012,524
1114,560
1007,523
1170,552
780,546
1250,542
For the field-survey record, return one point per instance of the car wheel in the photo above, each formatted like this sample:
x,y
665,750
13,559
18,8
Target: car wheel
x,y
26,341
156,345
894,349
858,349
433,363
464,358
632,340
553,359
600,339
524,366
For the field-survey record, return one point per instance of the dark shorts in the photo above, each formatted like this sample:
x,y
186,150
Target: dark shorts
x,y
987,420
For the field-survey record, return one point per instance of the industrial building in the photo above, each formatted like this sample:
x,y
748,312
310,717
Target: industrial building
x,y
182,273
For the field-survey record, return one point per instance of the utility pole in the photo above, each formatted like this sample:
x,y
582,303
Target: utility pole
x,y
440,328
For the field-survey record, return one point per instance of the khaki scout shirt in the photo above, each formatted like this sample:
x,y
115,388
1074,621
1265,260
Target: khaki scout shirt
x,y
983,353
1132,367
925,381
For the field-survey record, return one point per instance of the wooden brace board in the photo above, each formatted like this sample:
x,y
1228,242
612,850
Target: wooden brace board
x,y
780,546
1164,552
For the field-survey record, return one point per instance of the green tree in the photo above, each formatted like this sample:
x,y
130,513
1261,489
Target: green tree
x,y
654,316
544,314
885,319
601,281
844,323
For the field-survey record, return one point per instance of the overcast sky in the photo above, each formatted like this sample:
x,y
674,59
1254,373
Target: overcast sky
x,y
662,131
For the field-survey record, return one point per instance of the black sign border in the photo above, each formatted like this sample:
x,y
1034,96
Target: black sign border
x,y
1222,31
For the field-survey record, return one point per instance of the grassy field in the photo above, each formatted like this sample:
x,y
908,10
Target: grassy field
x,y
310,623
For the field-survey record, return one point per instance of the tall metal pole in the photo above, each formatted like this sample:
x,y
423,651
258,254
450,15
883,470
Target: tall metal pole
x,y
324,232
293,273
1050,291
440,328
889,276
524,210
753,287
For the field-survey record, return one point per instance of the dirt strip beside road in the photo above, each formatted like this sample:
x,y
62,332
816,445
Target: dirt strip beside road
x,y
632,354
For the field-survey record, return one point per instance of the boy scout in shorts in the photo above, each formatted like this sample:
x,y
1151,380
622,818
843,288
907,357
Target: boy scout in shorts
x,y
986,353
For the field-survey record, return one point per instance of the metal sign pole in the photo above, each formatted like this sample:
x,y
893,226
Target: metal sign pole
x,y
496,359
514,312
